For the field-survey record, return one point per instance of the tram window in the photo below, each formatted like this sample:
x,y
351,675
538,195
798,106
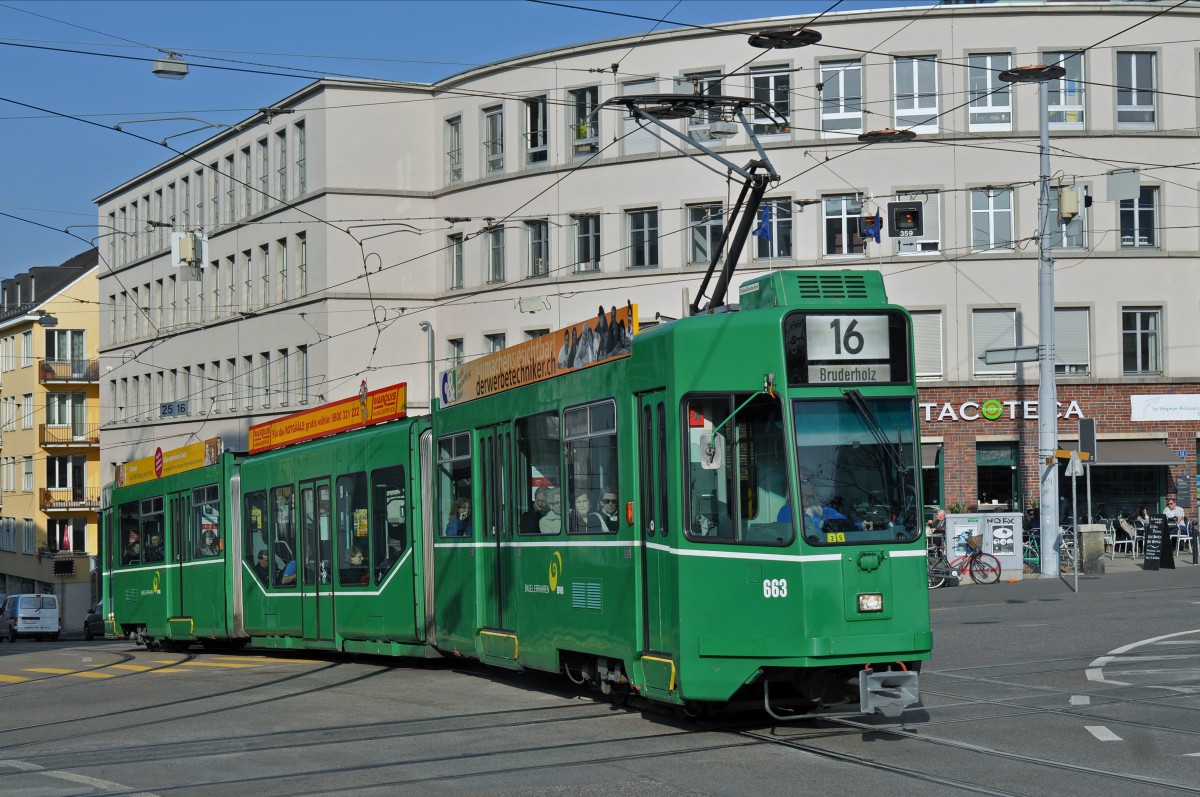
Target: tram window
x,y
353,530
206,521
153,529
389,521
857,469
455,516
745,500
254,516
129,529
539,448
283,535
591,449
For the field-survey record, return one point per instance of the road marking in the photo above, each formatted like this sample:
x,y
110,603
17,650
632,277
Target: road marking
x,y
48,670
1102,733
93,674
224,665
13,679
134,667
1080,700
74,777
166,670
1191,755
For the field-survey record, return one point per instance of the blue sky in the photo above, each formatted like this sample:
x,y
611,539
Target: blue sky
x,y
53,166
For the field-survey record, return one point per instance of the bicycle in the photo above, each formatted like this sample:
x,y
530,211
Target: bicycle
x,y
982,567
940,570
1031,553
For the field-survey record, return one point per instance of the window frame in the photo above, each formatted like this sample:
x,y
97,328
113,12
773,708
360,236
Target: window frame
x,y
1001,333
491,140
848,107
587,239
924,99
643,250
780,229
1070,85
1140,334
992,214
537,131
1134,210
989,96
537,248
843,224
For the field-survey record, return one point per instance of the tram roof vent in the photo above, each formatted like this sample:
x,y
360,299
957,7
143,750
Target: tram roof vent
x,y
794,287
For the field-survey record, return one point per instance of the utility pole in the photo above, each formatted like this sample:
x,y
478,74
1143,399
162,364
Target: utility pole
x,y
1047,390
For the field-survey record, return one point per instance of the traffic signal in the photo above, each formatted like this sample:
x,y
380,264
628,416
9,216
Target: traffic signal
x,y
905,220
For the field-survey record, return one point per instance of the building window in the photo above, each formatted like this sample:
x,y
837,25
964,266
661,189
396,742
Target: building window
x,y
538,235
27,410
842,234
643,238
916,94
185,201
301,374
248,283
1072,352
284,387
494,343
587,242
281,256
27,347
702,84
1139,220
774,86
991,219
495,254
281,165
454,254
1068,233
638,137
454,166
927,343
493,139
264,378
29,534
454,352
534,334
301,264
773,235
264,175
198,185
1140,340
301,158
230,190
27,474
1135,90
930,239
217,190
841,98
705,223
264,270
247,183
1066,92
536,131
585,123
991,98
993,329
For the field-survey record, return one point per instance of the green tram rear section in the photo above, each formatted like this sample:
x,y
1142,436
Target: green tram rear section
x,y
630,523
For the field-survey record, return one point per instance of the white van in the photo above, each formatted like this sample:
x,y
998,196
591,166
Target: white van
x,y
30,616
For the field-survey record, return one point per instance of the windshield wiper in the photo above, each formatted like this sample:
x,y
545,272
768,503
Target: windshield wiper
x,y
893,449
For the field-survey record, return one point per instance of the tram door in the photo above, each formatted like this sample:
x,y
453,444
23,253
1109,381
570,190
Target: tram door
x,y
180,506
497,567
654,521
316,557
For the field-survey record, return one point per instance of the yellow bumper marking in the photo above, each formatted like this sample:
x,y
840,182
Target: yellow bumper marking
x,y
94,674
671,685
223,665
134,667
48,670
165,670
13,679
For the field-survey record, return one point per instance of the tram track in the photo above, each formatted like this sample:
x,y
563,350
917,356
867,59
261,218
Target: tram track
x,y
22,688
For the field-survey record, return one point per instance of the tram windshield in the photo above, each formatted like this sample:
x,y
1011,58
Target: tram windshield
x,y
856,470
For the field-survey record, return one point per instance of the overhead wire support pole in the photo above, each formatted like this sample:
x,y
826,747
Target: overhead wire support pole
x,y
1047,390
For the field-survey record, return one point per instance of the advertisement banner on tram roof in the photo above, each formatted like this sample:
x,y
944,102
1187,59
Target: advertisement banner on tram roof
x,y
607,337
168,463
366,409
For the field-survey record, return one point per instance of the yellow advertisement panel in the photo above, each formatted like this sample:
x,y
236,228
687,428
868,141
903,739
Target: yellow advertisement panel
x,y
607,337
168,463
365,409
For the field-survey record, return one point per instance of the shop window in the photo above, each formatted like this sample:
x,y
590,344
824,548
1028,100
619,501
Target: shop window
x,y
997,476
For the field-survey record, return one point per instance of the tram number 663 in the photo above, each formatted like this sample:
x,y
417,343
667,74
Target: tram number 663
x,y
775,588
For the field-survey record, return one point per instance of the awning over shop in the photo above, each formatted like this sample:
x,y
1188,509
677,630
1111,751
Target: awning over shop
x,y
1130,452
929,454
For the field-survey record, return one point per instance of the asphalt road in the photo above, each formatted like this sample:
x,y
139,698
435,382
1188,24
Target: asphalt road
x,y
1032,690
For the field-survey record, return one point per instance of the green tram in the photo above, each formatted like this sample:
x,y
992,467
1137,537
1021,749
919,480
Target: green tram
x,y
724,507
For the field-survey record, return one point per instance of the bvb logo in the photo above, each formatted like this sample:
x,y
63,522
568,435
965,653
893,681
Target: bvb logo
x,y
555,569
157,575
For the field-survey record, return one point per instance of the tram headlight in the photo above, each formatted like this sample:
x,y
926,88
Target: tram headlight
x,y
869,602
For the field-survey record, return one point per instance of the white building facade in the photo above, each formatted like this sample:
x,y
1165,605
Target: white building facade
x,y
498,204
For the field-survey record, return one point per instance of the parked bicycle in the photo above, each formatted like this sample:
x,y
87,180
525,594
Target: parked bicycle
x,y
982,567
940,571
1031,553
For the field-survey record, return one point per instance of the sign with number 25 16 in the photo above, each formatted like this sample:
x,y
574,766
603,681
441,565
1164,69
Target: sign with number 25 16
x,y
173,409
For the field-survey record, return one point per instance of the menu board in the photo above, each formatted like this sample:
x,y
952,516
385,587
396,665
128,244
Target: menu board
x,y
1158,545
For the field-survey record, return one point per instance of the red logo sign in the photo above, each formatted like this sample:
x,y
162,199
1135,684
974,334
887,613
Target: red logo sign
x,y
158,463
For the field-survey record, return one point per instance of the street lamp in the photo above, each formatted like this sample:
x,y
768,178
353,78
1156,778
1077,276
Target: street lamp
x,y
173,67
1047,390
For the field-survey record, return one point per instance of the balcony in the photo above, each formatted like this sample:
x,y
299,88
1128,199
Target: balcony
x,y
69,499
68,372
68,435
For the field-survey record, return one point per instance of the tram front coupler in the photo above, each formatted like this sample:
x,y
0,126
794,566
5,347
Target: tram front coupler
x,y
887,692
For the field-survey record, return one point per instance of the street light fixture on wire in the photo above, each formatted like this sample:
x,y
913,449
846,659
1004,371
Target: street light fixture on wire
x,y
1047,390
728,115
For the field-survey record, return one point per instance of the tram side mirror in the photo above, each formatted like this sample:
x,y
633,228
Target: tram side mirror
x,y
712,451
